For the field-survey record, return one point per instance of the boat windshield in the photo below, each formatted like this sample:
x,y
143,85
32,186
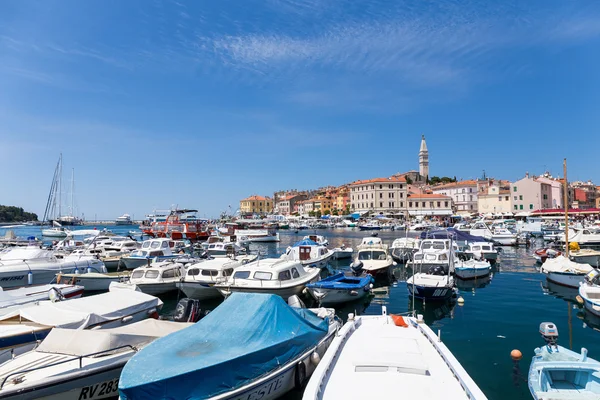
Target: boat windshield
x,y
152,274
241,275
263,276
372,255
145,245
210,272
137,274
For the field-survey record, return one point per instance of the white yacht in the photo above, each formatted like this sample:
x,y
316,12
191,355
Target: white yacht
x,y
389,357
308,253
270,275
56,232
432,254
23,266
224,249
499,235
342,252
14,299
75,363
124,219
160,248
373,257
586,236
201,277
158,278
257,235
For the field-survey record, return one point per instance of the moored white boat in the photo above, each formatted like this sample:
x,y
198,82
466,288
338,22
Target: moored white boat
x,y
563,271
318,239
94,281
14,299
373,257
430,287
342,252
471,269
589,291
124,219
157,278
252,356
482,251
270,275
399,357
308,253
160,249
79,364
403,249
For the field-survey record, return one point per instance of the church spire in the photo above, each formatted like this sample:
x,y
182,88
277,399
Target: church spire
x,y
423,159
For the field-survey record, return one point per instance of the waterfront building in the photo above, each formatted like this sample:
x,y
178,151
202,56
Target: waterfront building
x,y
429,204
463,193
494,197
556,187
584,194
342,199
379,195
256,204
286,204
530,194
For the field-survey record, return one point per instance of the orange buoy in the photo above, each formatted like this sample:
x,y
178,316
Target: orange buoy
x,y
516,355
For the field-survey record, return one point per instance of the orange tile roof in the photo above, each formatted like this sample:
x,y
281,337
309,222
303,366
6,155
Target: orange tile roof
x,y
391,179
256,197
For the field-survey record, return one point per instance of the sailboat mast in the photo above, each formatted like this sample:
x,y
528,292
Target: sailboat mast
x,y
566,201
59,186
72,190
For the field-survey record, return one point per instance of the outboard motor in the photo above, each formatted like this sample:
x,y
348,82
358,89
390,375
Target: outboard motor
x,y
188,310
357,268
549,332
593,277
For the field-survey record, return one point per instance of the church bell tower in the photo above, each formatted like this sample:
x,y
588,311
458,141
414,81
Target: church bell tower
x,y
423,159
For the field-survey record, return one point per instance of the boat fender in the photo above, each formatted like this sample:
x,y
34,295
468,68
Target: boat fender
x,y
315,358
300,376
30,278
353,293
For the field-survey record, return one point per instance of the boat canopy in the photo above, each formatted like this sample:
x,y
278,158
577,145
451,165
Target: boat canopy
x,y
305,242
451,233
245,337
87,311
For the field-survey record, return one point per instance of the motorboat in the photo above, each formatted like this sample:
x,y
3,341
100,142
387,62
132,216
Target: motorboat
x,y
482,251
258,235
342,252
80,364
541,255
349,224
373,257
589,291
432,287
270,275
21,329
499,235
224,249
318,239
434,254
586,256
370,226
56,232
13,299
160,249
308,253
158,277
565,272
124,219
585,236
398,356
94,281
201,277
31,265
472,269
179,224
243,352
557,373
403,249
340,288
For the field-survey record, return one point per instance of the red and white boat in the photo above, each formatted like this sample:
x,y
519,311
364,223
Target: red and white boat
x,y
541,255
178,226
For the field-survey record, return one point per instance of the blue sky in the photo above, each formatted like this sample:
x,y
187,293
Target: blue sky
x,y
202,103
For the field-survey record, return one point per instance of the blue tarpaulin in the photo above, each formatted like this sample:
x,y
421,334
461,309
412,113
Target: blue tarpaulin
x,y
245,337
451,233
305,242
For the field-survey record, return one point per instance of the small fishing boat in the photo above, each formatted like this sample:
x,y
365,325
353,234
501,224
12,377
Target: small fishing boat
x,y
160,249
270,275
223,249
370,226
589,291
340,288
403,249
472,269
244,355
565,272
399,357
158,277
318,239
482,251
342,252
373,257
79,364
201,277
557,373
20,330
586,256
430,287
541,255
309,253
94,281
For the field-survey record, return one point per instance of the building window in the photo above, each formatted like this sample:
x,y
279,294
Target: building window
x,y
431,204
515,197
402,204
401,195
463,190
545,197
381,195
471,206
424,205
391,186
392,204
464,197
380,186
514,188
372,195
521,207
371,204
381,204
506,198
531,206
410,204
520,197
499,198
470,190
446,204
471,198
439,204
516,208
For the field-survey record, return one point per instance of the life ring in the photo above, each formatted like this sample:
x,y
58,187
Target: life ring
x,y
300,376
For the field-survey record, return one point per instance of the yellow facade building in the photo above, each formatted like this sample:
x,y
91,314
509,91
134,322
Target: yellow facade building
x,y
256,205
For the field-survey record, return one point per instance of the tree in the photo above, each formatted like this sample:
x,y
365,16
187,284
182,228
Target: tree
x,y
318,214
408,180
347,210
15,214
326,212
335,212
311,213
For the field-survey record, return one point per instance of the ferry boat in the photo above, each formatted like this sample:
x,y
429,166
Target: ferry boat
x,y
178,226
124,219
389,357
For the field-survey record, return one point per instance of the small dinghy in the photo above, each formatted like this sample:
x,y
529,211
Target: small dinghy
x,y
389,357
340,288
565,272
20,330
557,373
541,255
235,352
472,269
589,291
79,364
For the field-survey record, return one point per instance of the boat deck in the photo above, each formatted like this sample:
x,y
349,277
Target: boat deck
x,y
380,359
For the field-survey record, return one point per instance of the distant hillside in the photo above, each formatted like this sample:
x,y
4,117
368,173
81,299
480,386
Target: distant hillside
x,y
15,214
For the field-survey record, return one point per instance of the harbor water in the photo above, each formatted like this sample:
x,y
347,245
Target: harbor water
x,y
500,313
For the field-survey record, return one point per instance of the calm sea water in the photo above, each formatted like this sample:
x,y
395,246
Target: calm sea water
x,y
499,314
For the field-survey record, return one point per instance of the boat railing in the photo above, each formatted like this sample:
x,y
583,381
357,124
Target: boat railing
x,y
80,358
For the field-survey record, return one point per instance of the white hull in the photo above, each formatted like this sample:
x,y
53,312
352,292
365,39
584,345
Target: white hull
x,y
283,292
320,262
157,288
505,240
565,279
200,291
263,239
54,234
593,260
471,273
15,274
97,284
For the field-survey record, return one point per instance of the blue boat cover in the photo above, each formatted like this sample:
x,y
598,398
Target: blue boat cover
x,y
342,282
451,233
245,337
305,242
